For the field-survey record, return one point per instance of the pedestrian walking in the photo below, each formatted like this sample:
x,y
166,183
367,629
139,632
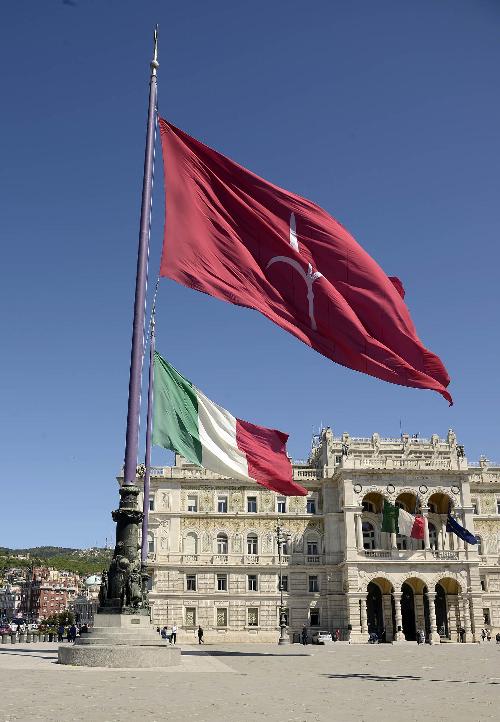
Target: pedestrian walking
x,y
173,637
72,633
497,637
60,633
164,634
304,635
421,634
483,634
200,635
461,632
488,635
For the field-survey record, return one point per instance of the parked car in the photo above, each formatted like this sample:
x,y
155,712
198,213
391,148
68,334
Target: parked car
x,y
321,637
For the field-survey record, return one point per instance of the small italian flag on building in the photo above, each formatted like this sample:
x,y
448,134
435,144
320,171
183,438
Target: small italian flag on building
x,y
399,521
187,422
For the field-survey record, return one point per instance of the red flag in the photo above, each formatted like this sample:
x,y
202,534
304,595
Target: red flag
x,y
244,240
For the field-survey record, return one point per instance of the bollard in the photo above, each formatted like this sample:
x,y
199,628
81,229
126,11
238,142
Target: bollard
x,y
5,638
22,637
35,637
13,638
29,637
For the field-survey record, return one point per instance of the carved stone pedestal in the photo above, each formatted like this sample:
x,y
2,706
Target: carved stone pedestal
x,y
120,640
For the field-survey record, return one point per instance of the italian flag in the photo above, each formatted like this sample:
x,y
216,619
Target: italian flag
x,y
401,522
187,422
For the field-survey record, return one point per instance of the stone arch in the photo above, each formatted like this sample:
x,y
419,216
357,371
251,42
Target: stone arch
x,y
373,502
442,499
380,609
408,500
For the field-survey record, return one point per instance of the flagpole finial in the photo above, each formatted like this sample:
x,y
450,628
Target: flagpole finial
x,y
154,63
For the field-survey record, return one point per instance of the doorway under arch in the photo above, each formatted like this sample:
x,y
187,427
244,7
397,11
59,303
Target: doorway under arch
x,y
408,613
380,609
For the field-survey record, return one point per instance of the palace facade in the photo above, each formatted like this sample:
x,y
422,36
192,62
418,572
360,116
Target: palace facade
x,y
214,560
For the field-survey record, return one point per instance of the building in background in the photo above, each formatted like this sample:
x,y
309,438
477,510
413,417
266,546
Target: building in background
x,y
214,561
47,591
84,606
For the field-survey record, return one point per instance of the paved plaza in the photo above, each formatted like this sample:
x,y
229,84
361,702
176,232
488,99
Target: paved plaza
x,y
260,682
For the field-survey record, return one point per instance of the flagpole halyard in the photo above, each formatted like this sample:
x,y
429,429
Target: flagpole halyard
x,y
149,429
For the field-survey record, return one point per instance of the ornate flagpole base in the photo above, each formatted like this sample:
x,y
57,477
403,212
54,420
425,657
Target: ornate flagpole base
x,y
122,635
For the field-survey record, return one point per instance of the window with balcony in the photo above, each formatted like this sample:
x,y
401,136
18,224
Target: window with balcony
x,y
252,544
285,549
151,503
190,617
221,617
480,548
253,617
281,505
191,582
314,617
252,582
401,542
368,535
222,545
433,537
498,506
252,504
222,504
312,548
222,582
475,506
432,508
311,506
313,584
192,503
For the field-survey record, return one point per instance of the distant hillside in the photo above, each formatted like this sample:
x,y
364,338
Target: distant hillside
x,y
80,561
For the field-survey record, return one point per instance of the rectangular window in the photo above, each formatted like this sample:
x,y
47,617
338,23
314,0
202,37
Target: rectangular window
x,y
314,614
151,503
222,582
281,505
312,548
486,616
313,584
475,508
252,504
498,506
253,617
192,503
483,585
284,582
221,616
252,582
191,582
190,617
311,506
222,504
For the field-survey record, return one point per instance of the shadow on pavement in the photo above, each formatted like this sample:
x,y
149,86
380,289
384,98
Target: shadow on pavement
x,y
400,677
221,653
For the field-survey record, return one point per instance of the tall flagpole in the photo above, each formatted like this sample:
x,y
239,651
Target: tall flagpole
x,y
137,353
123,587
149,429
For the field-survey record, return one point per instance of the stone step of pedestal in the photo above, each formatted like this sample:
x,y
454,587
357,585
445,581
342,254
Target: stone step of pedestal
x,y
120,656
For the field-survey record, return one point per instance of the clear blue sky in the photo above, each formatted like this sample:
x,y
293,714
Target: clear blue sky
x,y
385,113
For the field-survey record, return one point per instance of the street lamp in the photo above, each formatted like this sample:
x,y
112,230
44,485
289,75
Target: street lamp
x,y
281,539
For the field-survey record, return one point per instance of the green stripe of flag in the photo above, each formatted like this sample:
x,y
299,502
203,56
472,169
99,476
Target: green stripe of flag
x,y
175,424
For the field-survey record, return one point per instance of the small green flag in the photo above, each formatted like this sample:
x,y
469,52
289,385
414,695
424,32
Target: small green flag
x,y
390,518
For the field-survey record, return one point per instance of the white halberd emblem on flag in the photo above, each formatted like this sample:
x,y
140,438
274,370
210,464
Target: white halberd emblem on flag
x,y
309,276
